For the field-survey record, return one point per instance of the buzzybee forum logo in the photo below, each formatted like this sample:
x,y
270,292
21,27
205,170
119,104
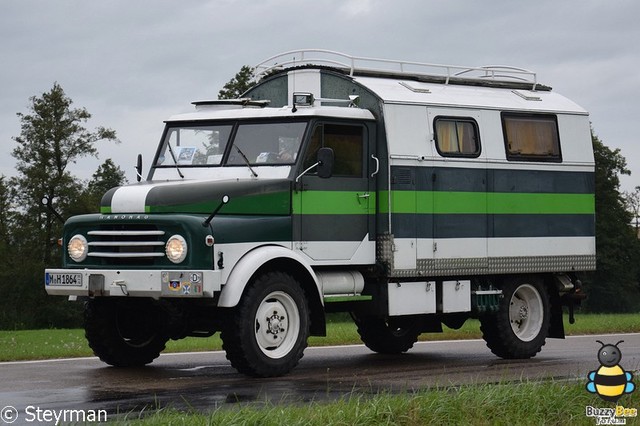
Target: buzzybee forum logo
x,y
610,382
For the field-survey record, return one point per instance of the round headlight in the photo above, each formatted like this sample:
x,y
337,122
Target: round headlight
x,y
176,248
78,248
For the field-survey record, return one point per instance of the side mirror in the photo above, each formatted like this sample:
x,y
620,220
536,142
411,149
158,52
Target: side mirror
x,y
325,162
139,168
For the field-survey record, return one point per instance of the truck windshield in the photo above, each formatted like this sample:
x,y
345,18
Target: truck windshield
x,y
273,143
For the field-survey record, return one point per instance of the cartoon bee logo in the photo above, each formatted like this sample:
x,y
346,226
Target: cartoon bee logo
x,y
610,381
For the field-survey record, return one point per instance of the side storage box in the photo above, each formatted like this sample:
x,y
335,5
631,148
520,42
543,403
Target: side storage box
x,y
454,296
411,298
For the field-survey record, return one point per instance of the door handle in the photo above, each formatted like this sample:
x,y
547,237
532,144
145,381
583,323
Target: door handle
x,y
377,165
365,195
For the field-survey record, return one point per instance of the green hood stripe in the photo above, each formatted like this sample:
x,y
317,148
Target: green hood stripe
x,y
267,204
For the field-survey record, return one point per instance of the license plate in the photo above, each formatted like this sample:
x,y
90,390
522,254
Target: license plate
x,y
73,280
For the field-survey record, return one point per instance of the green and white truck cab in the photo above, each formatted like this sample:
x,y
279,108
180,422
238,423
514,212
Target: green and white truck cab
x,y
410,199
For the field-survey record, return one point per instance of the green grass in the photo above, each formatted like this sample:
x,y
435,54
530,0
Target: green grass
x,y
526,403
54,343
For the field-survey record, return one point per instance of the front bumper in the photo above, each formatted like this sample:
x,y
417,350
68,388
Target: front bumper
x,y
132,283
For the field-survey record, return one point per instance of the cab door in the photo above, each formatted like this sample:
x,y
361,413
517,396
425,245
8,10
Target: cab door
x,y
334,216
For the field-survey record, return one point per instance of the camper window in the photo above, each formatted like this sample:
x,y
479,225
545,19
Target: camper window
x,y
457,137
530,137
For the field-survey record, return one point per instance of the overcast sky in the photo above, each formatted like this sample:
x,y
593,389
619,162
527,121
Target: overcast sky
x,y
132,64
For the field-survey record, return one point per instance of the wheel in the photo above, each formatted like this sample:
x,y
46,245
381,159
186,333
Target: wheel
x,y
124,333
519,328
267,332
388,336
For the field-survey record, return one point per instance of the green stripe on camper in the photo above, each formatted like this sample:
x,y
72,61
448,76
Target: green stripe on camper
x,y
442,202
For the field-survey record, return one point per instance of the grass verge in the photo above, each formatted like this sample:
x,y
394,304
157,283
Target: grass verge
x,y
535,403
44,344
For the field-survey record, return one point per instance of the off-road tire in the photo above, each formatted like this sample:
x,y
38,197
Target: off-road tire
x,y
386,336
266,333
124,333
518,330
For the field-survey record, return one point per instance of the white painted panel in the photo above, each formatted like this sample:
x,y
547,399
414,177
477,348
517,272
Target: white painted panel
x,y
130,199
304,81
411,298
575,138
425,248
456,296
404,256
407,130
339,252
456,248
541,246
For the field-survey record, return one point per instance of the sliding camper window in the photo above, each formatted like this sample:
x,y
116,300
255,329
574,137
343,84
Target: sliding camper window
x,y
531,137
457,137
347,143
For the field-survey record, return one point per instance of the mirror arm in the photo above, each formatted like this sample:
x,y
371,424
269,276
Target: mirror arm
x,y
207,221
139,168
307,170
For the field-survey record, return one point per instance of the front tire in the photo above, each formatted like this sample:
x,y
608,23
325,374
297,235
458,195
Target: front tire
x,y
519,329
124,333
267,332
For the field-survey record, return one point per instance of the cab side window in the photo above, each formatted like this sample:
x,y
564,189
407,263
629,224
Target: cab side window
x,y
347,143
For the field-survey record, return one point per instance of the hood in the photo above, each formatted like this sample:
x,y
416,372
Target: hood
x,y
272,196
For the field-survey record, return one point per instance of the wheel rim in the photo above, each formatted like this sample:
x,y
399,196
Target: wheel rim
x,y
277,324
526,312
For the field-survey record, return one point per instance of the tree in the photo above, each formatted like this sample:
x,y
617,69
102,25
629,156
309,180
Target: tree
x,y
613,287
52,137
107,176
238,84
632,203
7,310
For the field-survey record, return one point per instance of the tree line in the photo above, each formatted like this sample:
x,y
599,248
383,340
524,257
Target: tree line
x,y
44,191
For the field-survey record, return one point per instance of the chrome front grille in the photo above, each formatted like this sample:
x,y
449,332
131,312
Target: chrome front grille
x,y
126,244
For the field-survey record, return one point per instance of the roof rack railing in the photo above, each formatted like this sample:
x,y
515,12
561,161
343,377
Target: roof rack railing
x,y
353,64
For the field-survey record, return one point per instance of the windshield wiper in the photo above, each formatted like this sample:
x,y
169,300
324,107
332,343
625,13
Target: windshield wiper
x,y
174,159
246,161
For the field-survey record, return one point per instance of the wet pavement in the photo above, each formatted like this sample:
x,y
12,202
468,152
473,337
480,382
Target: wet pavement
x,y
206,381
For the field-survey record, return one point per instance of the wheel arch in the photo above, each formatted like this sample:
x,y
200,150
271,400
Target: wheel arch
x,y
276,258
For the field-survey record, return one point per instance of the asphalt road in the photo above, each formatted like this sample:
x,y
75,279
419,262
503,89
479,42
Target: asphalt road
x,y
204,381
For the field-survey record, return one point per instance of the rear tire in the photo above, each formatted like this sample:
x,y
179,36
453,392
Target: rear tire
x,y
519,329
386,335
124,333
267,332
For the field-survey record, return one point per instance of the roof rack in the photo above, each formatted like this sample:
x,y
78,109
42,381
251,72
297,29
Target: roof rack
x,y
357,64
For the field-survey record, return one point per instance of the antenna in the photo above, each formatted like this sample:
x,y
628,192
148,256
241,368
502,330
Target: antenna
x,y
293,108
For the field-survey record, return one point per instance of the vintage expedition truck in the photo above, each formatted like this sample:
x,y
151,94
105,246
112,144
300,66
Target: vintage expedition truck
x,y
410,195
